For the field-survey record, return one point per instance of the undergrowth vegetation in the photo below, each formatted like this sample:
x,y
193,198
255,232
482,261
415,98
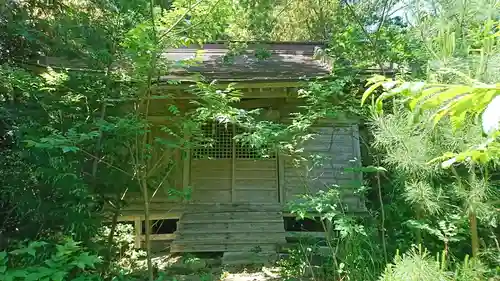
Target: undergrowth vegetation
x,y
70,154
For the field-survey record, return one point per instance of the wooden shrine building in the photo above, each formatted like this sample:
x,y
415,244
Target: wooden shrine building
x,y
238,199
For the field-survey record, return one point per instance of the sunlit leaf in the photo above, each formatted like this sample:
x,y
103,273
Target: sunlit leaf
x,y
446,95
424,94
369,91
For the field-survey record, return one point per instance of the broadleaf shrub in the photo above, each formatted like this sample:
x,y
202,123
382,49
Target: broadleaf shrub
x,y
39,260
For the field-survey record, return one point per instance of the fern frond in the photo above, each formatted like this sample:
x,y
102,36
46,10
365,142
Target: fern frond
x,y
416,265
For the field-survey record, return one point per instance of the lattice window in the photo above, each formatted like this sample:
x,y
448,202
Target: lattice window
x,y
222,142
246,151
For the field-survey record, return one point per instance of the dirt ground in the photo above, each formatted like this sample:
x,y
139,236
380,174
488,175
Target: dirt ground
x,y
195,268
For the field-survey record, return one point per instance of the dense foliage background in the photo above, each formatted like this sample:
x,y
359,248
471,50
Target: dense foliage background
x,y
67,150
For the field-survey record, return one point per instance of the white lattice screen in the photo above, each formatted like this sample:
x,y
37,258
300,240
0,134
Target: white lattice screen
x,y
224,146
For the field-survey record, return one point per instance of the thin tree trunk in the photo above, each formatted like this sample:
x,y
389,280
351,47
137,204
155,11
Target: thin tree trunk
x,y
95,167
111,236
472,216
147,225
474,234
382,214
143,181
145,101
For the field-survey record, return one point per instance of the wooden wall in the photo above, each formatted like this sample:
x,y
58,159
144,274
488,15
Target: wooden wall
x,y
234,180
168,196
338,148
211,180
256,181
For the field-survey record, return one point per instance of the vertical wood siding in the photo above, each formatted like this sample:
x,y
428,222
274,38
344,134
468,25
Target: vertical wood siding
x,y
338,148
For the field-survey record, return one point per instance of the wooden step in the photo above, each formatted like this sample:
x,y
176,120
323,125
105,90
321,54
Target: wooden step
x,y
231,226
231,207
230,237
247,216
217,247
225,241
242,220
226,230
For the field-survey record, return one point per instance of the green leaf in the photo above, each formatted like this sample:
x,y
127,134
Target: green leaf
x,y
369,91
67,149
424,94
29,143
3,255
173,109
382,97
457,109
34,276
444,96
405,86
58,276
20,251
20,273
86,261
457,120
32,252
375,79
37,244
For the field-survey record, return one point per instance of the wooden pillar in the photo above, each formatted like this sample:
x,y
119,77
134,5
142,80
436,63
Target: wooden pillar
x,y
280,160
233,167
358,176
281,178
138,232
186,170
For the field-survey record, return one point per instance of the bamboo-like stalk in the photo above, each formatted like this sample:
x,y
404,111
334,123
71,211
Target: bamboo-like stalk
x,y
474,234
382,216
471,212
473,219
147,234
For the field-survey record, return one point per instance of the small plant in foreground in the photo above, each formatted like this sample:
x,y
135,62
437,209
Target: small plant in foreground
x,y
67,261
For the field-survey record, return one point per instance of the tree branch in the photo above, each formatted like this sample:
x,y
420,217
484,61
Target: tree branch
x,y
368,36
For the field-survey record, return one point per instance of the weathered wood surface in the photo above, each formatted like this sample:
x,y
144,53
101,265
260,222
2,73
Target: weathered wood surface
x,y
234,215
176,247
232,227
316,234
158,237
211,180
171,211
234,180
231,207
338,147
235,227
255,180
